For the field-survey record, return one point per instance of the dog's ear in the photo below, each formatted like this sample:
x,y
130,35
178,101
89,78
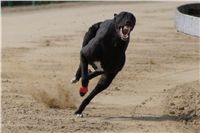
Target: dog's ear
x,y
115,14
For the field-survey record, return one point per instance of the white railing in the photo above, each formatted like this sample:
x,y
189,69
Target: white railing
x,y
187,23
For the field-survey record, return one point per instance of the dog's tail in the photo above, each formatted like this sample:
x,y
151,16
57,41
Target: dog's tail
x,y
91,33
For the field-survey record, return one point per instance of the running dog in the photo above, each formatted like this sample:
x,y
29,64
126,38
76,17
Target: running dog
x,y
104,47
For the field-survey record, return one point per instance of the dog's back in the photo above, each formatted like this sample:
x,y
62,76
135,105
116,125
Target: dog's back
x,y
91,33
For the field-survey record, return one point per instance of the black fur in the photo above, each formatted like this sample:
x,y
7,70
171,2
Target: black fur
x,y
104,43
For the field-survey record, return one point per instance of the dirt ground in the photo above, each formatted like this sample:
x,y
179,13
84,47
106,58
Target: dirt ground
x,y
40,54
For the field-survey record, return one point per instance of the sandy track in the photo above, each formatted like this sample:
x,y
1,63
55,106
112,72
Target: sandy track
x,y
41,52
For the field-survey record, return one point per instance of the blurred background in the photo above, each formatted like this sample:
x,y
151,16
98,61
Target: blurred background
x,y
20,3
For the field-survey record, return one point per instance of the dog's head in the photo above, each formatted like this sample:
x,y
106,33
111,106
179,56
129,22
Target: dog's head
x,y
124,24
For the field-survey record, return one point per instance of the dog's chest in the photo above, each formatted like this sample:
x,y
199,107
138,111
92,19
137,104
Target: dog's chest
x,y
98,66
111,59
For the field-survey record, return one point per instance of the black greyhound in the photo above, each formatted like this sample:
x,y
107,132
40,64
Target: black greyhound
x,y
103,47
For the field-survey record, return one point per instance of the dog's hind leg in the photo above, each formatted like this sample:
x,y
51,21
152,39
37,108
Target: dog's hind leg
x,y
103,83
91,75
77,76
94,74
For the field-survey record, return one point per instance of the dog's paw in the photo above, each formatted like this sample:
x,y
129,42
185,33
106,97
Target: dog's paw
x,y
83,91
78,115
73,80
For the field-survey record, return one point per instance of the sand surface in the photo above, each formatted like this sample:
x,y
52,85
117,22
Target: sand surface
x,y
40,54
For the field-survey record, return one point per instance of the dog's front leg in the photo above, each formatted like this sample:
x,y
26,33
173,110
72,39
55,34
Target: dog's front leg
x,y
84,75
103,83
